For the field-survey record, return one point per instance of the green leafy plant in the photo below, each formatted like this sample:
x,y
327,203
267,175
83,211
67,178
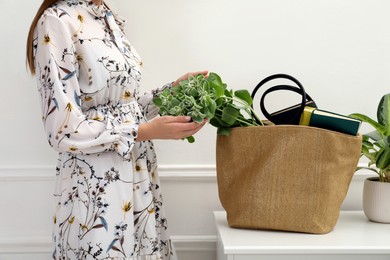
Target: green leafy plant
x,y
203,97
376,144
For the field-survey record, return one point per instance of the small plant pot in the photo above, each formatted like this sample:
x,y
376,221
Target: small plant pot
x,y
376,197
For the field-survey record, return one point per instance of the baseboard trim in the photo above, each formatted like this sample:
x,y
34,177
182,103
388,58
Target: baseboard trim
x,y
195,243
44,245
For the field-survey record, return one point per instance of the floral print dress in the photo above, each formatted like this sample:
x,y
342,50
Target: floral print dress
x,y
108,203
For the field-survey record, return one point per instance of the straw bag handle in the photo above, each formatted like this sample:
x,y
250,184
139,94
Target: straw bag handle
x,y
300,90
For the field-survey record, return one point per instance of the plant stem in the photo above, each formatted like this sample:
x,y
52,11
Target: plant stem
x,y
254,123
247,106
384,176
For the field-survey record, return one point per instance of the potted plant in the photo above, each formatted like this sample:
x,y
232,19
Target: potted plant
x,y
376,148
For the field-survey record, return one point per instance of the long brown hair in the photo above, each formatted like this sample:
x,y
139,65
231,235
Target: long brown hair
x,y
30,38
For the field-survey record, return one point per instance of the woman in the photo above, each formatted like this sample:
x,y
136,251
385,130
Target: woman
x,y
108,203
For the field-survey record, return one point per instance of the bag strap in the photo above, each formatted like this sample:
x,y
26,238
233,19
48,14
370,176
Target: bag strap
x,y
300,90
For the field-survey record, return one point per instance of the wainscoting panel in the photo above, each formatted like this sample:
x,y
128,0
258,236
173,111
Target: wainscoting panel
x,y
190,195
187,247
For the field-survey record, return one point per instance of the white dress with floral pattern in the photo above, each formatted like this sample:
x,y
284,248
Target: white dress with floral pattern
x,y
108,202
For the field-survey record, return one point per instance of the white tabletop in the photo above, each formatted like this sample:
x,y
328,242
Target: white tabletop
x,y
353,234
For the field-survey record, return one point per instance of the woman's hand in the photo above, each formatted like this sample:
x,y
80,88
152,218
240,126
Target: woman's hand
x,y
171,127
185,76
168,127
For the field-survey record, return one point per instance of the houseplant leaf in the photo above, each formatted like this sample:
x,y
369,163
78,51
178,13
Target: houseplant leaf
x,y
218,122
157,101
224,131
383,113
364,118
367,168
368,145
377,139
215,79
374,135
244,95
230,114
216,83
190,139
383,160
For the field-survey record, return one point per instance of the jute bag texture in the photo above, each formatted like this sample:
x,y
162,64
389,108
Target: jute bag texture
x,y
291,178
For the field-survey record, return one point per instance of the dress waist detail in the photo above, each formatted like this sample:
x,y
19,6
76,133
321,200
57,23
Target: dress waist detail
x,y
128,112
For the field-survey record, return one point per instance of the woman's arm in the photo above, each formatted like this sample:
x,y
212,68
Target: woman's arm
x,y
67,128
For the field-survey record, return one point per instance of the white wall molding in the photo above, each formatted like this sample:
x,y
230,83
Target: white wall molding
x,y
195,243
167,172
11,173
40,245
188,172
36,245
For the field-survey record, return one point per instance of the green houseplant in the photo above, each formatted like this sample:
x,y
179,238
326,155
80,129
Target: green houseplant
x,y
376,144
376,148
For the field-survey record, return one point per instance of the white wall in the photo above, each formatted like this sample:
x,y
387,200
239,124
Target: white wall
x,y
339,50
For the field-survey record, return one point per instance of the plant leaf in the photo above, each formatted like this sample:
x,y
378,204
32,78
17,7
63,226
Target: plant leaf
x,y
197,119
368,145
368,155
214,122
175,102
219,102
244,95
212,107
190,139
374,135
383,113
367,168
224,131
381,144
214,78
383,160
381,129
230,114
194,93
216,83
228,93
157,101
220,122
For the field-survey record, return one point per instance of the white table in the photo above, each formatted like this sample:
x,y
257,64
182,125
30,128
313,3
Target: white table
x,y
354,238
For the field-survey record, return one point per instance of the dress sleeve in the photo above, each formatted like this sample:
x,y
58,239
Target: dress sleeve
x,y
146,102
66,127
